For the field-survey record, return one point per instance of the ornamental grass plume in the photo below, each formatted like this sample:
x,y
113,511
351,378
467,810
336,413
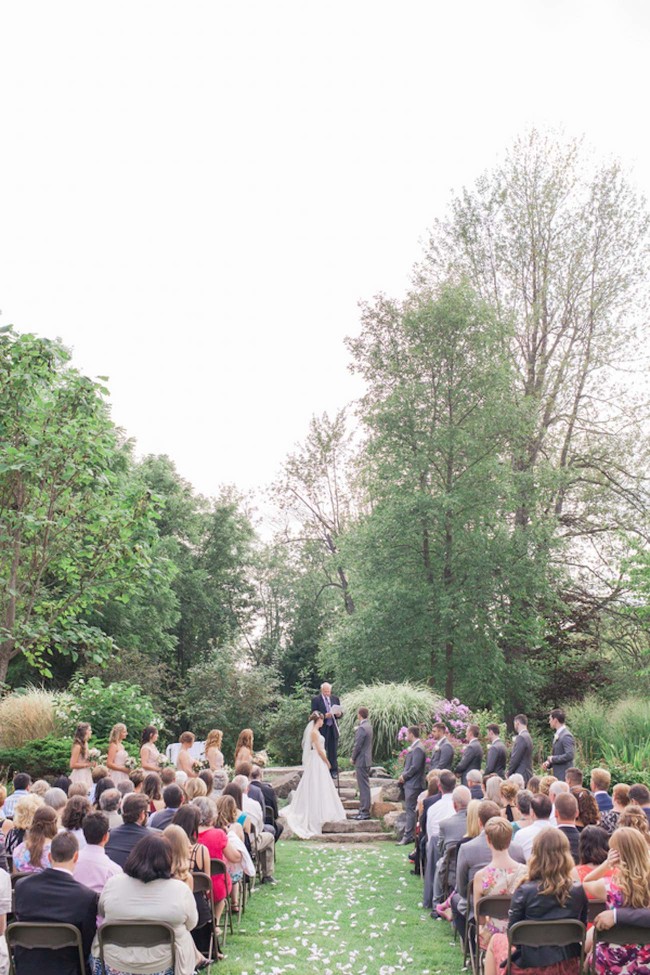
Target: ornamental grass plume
x,y
392,707
27,716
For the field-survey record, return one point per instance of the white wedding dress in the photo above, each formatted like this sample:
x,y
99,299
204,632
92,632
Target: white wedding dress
x,y
316,800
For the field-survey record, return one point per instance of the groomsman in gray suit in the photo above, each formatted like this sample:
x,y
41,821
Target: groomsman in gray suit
x,y
521,756
564,746
362,760
412,778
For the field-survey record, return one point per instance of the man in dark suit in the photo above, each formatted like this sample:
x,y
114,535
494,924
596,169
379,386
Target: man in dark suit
x,y
443,753
566,812
452,831
640,796
270,800
412,778
496,753
362,761
600,782
472,756
521,756
564,746
135,808
54,896
173,799
325,702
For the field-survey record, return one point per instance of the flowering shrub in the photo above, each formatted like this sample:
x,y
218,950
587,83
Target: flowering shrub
x,y
103,706
455,716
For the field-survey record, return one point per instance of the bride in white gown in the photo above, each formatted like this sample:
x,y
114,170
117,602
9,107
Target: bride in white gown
x,y
316,800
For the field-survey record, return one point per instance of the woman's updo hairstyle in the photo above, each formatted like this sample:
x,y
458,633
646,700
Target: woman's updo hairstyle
x,y
316,716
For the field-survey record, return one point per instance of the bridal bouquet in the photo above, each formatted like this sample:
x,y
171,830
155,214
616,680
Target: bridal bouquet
x,y
261,758
200,765
94,755
130,763
164,762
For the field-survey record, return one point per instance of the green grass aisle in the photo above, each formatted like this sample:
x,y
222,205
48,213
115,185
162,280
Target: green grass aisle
x,y
346,909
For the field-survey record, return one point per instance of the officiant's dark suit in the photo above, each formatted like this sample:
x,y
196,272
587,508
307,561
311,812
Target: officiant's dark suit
x,y
329,731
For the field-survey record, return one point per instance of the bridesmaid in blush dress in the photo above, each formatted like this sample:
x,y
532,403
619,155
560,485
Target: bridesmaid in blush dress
x,y
149,754
79,761
117,754
213,751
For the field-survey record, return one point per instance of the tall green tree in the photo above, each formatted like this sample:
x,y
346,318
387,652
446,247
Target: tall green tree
x,y
75,528
558,244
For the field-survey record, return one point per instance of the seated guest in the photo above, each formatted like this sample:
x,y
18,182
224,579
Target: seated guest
x,y
146,891
588,814
475,783
601,780
168,776
493,789
265,840
217,843
187,817
593,850
540,807
73,816
522,811
109,804
5,909
53,896
548,893
121,841
24,812
62,782
32,855
93,868
533,785
634,817
21,782
566,810
270,800
57,800
104,785
451,832
173,799
253,806
137,777
3,796
97,773
425,800
182,870
499,878
444,807
545,784
125,787
620,800
628,887
152,788
574,778
518,780
508,794
39,788
640,796
205,775
244,820
193,788
78,789
253,792
227,820
557,789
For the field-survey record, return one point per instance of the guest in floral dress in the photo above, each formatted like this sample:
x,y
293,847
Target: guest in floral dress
x,y
629,886
32,855
499,879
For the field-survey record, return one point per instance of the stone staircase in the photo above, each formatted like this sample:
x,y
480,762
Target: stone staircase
x,y
353,831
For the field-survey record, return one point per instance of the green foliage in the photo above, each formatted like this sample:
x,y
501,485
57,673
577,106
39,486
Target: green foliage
x,y
102,706
75,528
391,707
226,692
616,736
285,727
44,757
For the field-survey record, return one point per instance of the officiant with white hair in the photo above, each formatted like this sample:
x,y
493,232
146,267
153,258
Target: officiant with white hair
x,y
330,707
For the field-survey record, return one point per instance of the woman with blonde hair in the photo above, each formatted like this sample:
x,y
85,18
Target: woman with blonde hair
x,y
23,818
79,761
508,791
473,822
244,747
629,886
117,754
635,817
548,892
213,751
545,784
193,788
493,789
31,856
227,820
184,761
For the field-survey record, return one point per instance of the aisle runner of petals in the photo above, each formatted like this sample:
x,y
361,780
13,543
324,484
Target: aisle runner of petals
x,y
296,943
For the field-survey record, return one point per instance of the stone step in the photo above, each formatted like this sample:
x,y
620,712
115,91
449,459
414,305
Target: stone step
x,y
353,826
355,837
347,793
350,803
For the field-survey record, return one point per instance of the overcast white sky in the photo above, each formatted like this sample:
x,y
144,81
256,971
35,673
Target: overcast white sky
x,y
195,195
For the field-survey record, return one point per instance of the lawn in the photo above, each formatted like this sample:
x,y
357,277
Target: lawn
x,y
340,909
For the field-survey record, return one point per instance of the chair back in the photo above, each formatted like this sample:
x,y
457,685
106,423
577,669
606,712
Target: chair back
x,y
538,934
138,934
594,908
449,868
47,936
493,906
15,877
217,867
623,934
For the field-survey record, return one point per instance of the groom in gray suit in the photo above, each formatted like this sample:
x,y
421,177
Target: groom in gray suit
x,y
362,760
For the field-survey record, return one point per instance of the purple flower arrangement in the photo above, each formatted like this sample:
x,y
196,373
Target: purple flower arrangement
x,y
454,715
